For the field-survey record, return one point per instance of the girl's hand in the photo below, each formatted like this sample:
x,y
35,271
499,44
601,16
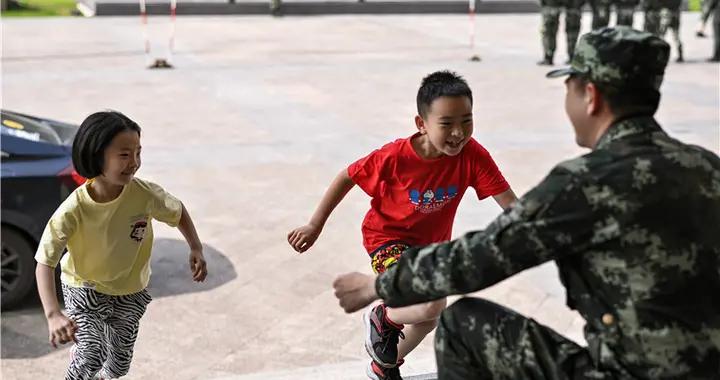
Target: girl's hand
x,y
302,238
61,329
198,266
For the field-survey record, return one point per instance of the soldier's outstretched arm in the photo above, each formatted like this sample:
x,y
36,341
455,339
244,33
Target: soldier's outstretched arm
x,y
552,220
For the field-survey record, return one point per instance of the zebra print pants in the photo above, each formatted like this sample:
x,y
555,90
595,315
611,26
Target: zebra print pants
x,y
107,329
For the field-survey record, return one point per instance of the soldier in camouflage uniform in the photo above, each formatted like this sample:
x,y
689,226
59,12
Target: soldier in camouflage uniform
x,y
624,10
632,227
661,15
550,11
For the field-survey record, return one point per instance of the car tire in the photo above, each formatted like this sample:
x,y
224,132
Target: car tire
x,y
18,267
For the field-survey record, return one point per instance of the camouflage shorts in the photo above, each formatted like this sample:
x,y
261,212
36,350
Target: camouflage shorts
x,y
386,256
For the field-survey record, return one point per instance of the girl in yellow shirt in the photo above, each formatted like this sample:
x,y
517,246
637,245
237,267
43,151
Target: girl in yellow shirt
x,y
106,227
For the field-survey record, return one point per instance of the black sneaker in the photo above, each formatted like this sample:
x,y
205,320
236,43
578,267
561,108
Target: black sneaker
x,y
381,338
377,372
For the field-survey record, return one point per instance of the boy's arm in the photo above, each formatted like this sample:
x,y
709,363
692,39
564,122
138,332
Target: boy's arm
x,y
505,199
198,266
302,238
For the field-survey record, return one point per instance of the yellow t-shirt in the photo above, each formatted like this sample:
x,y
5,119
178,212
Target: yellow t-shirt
x,y
108,243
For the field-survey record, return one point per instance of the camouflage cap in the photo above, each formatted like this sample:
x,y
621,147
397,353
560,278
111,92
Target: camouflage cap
x,y
619,58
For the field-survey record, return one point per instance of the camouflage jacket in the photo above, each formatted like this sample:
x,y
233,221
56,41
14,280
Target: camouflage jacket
x,y
634,228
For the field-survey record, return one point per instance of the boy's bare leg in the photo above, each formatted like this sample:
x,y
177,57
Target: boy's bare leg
x,y
420,320
409,315
414,334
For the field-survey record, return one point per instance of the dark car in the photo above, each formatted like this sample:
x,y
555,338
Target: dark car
x,y
37,175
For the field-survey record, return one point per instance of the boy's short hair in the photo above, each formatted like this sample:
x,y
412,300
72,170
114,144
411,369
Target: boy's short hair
x,y
93,137
437,84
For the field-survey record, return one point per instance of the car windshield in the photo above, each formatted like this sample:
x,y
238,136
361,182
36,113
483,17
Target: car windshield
x,y
22,127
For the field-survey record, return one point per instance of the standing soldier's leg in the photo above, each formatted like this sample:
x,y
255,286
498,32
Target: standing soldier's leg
x,y
625,14
675,28
478,339
670,20
706,11
549,28
275,7
573,17
652,20
716,35
601,13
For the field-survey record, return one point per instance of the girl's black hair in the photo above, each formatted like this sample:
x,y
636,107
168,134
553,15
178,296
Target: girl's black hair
x,y
95,134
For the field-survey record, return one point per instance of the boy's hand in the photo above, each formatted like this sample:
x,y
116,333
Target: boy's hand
x,y
198,266
302,238
61,329
355,291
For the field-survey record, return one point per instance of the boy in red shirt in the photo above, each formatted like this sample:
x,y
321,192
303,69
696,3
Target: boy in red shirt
x,y
416,184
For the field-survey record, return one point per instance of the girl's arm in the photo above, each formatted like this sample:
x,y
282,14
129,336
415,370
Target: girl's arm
x,y
61,329
198,266
302,238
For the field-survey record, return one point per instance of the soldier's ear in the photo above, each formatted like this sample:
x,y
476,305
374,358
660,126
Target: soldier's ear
x,y
593,99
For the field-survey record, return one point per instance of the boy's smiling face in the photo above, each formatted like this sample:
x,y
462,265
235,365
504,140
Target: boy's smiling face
x,y
447,126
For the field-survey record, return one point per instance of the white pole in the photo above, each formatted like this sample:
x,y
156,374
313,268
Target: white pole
x,y
471,12
173,10
144,22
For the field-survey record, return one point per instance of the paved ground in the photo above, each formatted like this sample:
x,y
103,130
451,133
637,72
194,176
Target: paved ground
x,y
249,129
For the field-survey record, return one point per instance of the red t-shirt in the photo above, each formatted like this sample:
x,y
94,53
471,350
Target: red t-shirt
x,y
414,200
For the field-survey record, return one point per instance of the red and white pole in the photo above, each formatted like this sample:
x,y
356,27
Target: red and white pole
x,y
173,11
471,12
144,22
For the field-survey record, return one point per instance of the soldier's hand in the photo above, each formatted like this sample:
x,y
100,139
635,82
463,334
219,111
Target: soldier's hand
x,y
355,291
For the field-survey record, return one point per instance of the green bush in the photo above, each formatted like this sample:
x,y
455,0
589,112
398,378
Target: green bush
x,y
34,8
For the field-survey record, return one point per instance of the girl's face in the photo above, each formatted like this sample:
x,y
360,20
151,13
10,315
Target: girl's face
x,y
122,158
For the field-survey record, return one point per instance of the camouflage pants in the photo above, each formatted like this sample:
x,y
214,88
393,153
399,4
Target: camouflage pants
x,y
716,32
659,21
551,23
625,14
601,14
478,339
670,20
652,21
707,6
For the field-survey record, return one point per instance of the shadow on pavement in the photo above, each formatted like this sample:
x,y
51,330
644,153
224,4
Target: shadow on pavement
x,y
24,329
